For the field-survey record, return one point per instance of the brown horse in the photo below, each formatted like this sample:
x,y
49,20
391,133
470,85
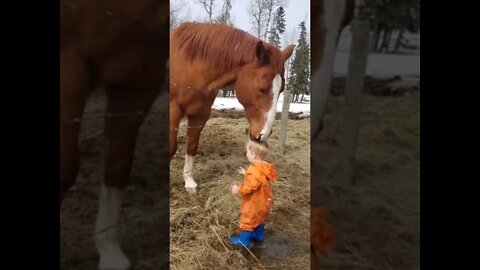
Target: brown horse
x,y
121,46
206,57
329,18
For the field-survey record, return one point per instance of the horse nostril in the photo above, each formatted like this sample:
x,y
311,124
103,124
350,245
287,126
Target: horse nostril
x,y
256,139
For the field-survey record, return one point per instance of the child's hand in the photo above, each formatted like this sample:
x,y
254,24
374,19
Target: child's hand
x,y
234,189
241,171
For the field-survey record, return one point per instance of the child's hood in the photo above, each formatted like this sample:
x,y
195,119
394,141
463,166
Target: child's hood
x,y
267,169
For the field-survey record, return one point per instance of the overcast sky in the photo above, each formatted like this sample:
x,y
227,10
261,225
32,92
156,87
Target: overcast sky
x,y
296,11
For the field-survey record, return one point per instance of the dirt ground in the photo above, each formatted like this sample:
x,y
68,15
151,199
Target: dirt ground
x,y
195,221
377,219
144,223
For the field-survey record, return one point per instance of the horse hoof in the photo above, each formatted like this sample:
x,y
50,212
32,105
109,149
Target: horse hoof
x,y
191,191
113,258
121,265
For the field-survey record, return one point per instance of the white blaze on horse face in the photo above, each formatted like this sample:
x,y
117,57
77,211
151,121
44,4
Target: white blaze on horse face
x,y
187,173
111,254
267,128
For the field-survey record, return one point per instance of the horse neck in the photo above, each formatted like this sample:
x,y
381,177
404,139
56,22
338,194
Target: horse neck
x,y
222,79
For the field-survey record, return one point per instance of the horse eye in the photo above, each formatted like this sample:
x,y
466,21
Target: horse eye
x,y
264,90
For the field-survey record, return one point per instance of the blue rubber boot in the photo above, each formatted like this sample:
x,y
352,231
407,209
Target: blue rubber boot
x,y
259,234
244,239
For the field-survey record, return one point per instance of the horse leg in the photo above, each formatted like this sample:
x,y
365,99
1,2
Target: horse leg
x,y
195,127
121,133
175,117
74,90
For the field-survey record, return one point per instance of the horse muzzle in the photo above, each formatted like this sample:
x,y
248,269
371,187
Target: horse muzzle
x,y
261,137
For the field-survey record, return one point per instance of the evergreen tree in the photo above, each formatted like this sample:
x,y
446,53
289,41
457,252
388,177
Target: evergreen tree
x,y
278,27
299,79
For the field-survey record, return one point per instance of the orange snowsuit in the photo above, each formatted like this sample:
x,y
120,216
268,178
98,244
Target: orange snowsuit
x,y
256,195
322,235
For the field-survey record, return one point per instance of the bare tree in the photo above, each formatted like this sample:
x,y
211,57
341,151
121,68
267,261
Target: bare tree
x,y
225,16
208,6
257,12
269,4
261,12
290,37
177,12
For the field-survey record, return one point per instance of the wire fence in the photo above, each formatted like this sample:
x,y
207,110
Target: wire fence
x,y
75,9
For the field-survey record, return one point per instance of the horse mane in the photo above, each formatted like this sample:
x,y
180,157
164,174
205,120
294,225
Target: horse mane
x,y
222,46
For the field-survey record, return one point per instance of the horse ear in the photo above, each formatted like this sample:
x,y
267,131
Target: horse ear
x,y
287,52
262,54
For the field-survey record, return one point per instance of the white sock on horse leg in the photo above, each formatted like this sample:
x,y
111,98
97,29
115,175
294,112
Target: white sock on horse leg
x,y
111,254
187,173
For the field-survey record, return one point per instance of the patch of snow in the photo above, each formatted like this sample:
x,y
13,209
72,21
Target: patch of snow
x,y
232,103
381,65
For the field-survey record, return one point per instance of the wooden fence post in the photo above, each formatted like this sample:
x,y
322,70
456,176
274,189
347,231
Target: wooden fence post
x,y
284,119
353,97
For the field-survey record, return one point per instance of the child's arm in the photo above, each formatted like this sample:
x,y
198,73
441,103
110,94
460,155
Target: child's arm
x,y
241,171
249,185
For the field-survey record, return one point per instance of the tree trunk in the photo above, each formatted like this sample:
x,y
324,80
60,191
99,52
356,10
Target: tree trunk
x,y
378,40
389,40
399,40
375,37
269,18
386,33
383,41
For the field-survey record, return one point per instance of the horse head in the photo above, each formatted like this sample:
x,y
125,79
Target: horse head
x,y
258,86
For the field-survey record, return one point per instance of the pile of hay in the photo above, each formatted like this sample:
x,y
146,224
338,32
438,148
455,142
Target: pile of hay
x,y
201,224
377,221
193,244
